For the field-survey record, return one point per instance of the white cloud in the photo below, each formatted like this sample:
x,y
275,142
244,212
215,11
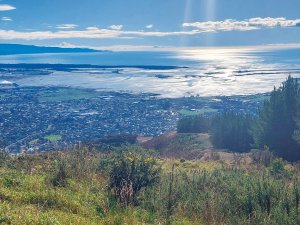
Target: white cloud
x,y
244,25
92,28
90,32
149,26
66,26
4,7
116,31
116,27
6,18
41,35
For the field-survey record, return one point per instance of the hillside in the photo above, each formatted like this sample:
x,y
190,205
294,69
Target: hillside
x,y
188,146
73,187
12,49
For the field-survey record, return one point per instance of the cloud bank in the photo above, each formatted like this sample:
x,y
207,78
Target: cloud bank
x,y
245,25
115,31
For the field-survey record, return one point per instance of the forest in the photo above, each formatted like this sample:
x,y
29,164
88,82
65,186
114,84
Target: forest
x,y
275,126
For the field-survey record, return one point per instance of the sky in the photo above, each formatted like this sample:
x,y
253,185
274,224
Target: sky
x,y
150,23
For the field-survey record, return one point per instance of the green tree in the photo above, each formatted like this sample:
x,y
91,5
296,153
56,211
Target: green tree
x,y
296,135
193,124
276,126
232,131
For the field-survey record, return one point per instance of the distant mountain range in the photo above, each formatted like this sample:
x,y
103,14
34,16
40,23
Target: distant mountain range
x,y
12,49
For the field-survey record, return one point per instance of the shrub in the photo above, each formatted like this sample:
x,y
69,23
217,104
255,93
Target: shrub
x,y
77,160
277,168
59,178
132,171
262,157
4,158
106,163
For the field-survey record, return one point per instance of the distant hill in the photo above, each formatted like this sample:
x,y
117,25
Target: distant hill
x,y
12,49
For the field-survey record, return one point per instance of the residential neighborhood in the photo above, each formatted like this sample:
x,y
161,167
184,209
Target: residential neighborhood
x,y
45,118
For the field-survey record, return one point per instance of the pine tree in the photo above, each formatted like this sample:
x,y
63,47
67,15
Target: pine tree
x,y
232,131
276,125
296,135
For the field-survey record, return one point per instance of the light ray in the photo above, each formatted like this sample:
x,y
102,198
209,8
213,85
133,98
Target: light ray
x,y
210,10
184,40
210,15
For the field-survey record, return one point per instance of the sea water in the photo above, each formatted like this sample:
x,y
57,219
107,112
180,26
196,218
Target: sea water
x,y
203,72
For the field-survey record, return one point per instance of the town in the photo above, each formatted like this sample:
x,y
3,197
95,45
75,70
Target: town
x,y
47,118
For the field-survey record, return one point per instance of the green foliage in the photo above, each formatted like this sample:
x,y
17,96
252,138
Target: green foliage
x,y
193,124
262,157
296,135
106,163
79,162
53,138
5,158
277,167
228,130
277,124
226,197
232,131
132,171
191,192
59,177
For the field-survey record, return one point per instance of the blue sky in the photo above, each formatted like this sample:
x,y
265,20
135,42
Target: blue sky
x,y
178,23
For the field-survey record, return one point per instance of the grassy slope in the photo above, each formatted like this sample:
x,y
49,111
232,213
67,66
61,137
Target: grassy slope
x,y
217,196
28,197
186,146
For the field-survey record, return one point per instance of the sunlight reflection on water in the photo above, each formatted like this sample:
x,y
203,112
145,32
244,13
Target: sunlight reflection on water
x,y
210,72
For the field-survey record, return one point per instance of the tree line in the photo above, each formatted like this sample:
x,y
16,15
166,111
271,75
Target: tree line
x,y
276,125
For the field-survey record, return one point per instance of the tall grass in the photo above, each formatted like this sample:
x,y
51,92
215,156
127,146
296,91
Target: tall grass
x,y
191,192
226,197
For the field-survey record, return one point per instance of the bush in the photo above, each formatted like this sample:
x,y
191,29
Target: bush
x,y
79,163
226,196
130,173
59,178
4,158
262,157
277,168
